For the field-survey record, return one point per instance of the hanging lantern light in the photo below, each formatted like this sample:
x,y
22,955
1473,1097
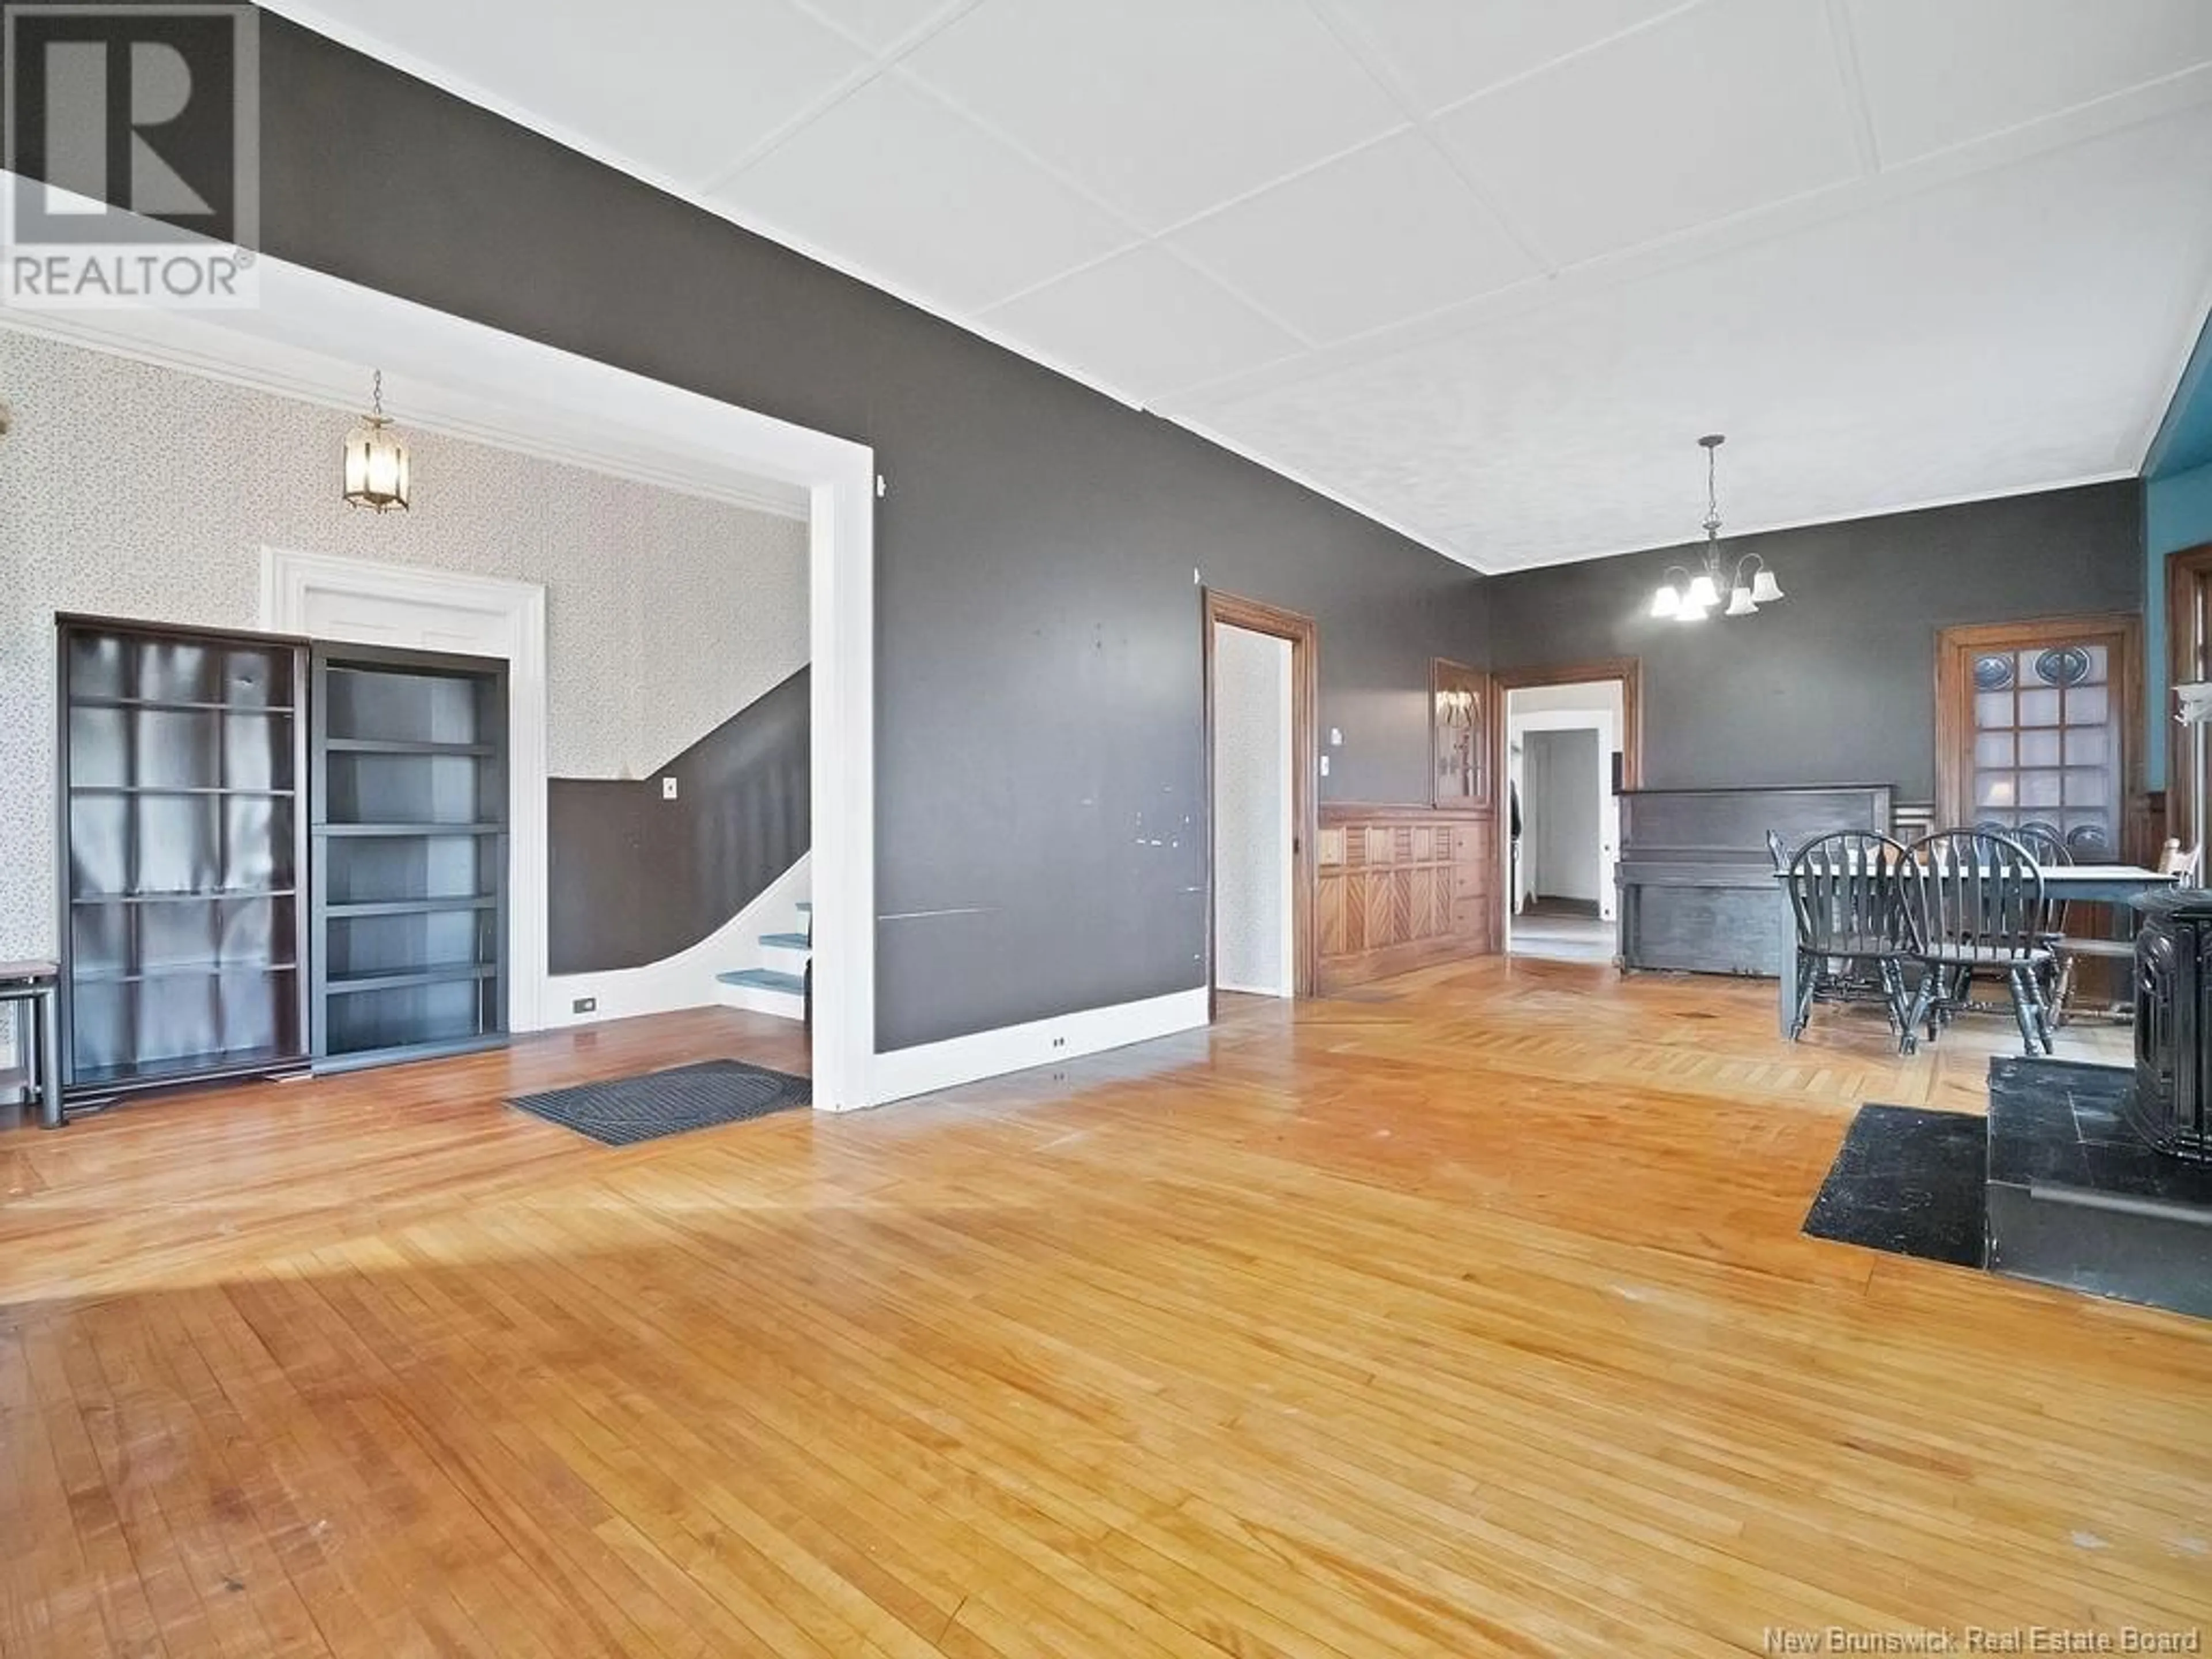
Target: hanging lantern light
x,y
376,459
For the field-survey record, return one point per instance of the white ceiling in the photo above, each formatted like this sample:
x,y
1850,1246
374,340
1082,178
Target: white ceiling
x,y
1484,268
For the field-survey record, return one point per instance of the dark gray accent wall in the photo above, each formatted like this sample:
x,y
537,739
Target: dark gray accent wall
x,y
1836,683
636,878
1041,819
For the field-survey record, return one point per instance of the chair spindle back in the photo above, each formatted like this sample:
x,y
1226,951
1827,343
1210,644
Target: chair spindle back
x,y
1974,889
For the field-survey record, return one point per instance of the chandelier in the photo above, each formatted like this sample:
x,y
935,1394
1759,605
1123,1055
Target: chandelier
x,y
1687,595
375,459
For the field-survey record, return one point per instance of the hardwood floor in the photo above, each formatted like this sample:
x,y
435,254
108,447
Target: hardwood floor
x,y
1464,1314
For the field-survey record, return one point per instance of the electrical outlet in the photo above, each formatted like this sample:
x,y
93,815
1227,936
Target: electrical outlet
x,y
668,789
1324,766
585,1005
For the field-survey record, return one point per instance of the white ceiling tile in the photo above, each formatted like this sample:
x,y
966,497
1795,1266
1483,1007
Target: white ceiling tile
x,y
682,90
1143,322
1719,109
1936,75
1446,49
893,182
1387,232
878,23
1164,107
1944,344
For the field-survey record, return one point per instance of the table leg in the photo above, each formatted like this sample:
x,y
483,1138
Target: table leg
x,y
48,1019
1786,924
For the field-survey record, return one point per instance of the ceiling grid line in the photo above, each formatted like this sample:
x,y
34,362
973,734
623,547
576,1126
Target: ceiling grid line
x,y
1394,88
881,63
1847,70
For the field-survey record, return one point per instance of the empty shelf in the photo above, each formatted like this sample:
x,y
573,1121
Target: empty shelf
x,y
177,789
399,746
408,907
409,829
180,706
180,970
228,1062
211,896
408,979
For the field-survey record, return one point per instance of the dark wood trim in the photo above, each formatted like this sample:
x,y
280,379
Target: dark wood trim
x,y
2120,631
2188,657
1442,669
1340,974
1362,812
1629,671
1234,612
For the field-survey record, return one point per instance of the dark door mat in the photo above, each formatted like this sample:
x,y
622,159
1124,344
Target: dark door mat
x,y
628,1109
1908,1182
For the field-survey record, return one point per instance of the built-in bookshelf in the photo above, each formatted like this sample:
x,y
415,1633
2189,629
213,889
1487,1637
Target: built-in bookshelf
x,y
408,771
182,850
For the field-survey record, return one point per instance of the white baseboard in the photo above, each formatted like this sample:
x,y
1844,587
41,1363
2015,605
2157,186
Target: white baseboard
x,y
685,980
925,1069
1250,990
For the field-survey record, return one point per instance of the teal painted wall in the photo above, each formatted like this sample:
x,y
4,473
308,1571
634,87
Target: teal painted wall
x,y
2177,513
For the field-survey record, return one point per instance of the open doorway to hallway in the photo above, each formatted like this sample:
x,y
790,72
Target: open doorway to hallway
x,y
1262,696
1255,944
1562,750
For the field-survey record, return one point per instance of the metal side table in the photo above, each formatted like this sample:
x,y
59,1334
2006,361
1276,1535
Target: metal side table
x,y
35,988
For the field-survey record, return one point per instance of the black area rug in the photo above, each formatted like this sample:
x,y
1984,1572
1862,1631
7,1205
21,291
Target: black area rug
x,y
1909,1181
628,1109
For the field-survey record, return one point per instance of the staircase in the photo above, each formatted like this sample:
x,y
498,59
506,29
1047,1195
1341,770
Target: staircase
x,y
777,984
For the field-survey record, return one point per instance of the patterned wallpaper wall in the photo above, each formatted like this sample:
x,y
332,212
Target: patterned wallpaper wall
x,y
129,490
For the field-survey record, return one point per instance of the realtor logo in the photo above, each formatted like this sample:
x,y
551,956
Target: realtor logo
x,y
132,140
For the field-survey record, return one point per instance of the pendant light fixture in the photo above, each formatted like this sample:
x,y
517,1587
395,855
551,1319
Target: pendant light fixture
x,y
375,459
1688,596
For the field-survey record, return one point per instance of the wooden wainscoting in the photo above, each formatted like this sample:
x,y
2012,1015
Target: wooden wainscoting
x,y
1403,887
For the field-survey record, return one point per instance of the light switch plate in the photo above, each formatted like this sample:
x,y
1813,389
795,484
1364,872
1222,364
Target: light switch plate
x,y
668,789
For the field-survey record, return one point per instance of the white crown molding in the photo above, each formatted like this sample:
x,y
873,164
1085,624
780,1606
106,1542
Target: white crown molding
x,y
1773,527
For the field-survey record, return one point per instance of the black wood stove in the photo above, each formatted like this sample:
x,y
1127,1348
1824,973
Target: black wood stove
x,y
2172,1101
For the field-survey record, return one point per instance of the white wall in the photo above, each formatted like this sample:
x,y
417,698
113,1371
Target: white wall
x,y
1559,813
135,490
1252,812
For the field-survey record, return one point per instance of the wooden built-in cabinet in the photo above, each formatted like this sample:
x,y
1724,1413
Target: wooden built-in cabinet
x,y
1403,887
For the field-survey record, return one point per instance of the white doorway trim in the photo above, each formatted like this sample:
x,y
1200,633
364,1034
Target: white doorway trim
x,y
315,337
290,583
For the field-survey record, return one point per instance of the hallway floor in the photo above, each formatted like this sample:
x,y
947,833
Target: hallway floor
x,y
1559,931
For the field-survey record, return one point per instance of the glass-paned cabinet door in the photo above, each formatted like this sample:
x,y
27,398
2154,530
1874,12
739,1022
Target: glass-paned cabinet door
x,y
1459,728
2037,732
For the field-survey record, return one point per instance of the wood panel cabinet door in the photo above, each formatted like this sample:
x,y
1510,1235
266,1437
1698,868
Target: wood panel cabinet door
x,y
1459,734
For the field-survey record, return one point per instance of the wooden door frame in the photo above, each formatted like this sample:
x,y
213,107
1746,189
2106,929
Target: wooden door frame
x,y
1955,647
1233,610
1504,682
2188,657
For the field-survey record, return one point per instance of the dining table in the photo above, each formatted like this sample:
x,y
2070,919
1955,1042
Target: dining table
x,y
2072,883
